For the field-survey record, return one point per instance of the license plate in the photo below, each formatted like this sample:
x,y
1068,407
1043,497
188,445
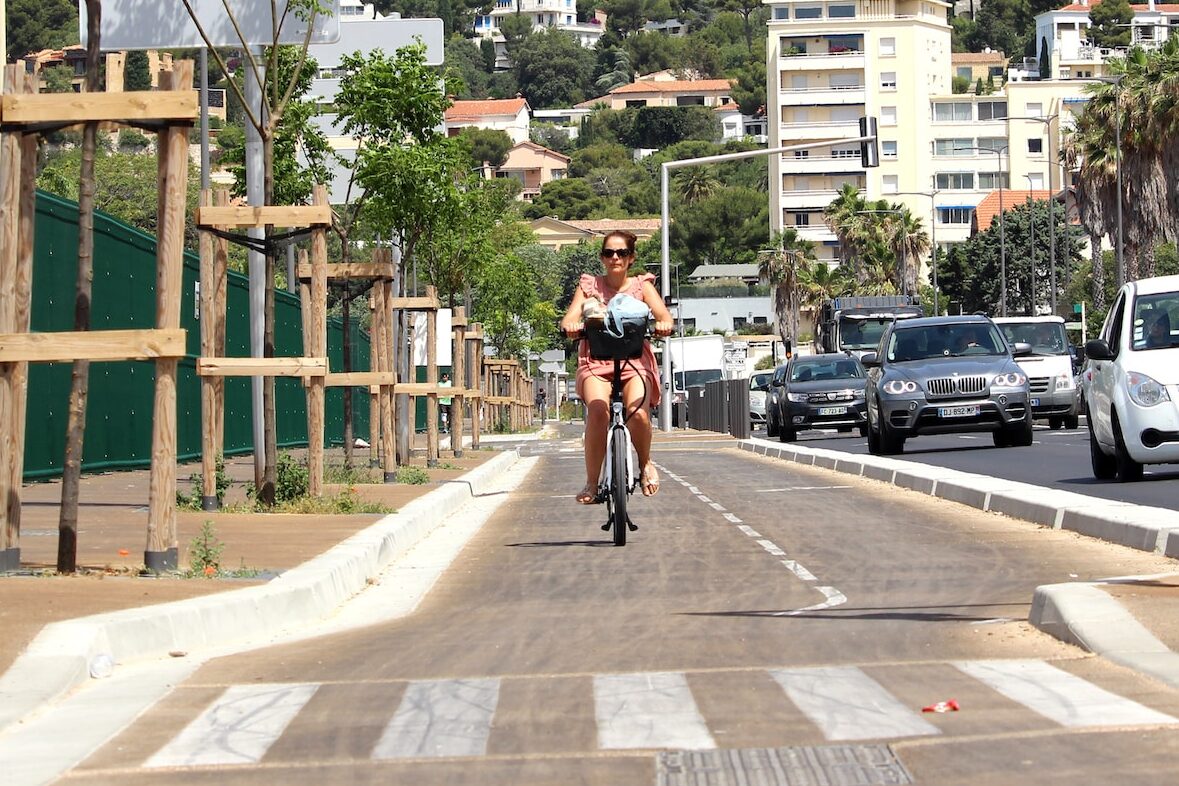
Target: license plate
x,y
958,412
824,411
1035,402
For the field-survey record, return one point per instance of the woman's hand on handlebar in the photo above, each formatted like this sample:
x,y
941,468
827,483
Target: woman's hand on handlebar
x,y
571,329
664,328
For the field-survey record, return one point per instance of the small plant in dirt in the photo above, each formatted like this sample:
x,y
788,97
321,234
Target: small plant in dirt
x,y
292,479
204,552
413,476
447,465
338,473
346,503
192,500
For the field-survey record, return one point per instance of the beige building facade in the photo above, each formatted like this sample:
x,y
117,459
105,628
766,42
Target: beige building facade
x,y
533,165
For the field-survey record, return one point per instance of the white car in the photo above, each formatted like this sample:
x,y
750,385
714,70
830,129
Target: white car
x,y
759,383
1132,381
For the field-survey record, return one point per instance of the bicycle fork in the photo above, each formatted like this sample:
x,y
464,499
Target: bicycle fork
x,y
617,430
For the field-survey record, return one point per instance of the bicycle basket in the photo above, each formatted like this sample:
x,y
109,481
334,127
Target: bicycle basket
x,y
605,346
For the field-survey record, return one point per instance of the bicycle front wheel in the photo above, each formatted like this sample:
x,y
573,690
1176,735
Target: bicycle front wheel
x,y
619,448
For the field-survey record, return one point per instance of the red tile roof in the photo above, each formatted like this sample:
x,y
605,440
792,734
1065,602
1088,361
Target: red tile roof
x,y
609,224
1170,8
978,57
473,110
989,207
674,86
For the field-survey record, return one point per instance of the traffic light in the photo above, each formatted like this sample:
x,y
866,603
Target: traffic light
x,y
869,148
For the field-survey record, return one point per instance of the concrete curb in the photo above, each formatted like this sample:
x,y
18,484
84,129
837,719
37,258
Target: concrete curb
x,y
60,657
1137,526
1084,615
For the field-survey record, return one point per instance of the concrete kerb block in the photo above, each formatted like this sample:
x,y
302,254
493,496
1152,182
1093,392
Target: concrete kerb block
x,y
59,657
1136,526
1032,503
924,478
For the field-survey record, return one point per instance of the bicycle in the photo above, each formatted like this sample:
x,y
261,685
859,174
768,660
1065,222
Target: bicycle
x,y
619,461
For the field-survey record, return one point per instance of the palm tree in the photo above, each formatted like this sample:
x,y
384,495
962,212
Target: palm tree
x,y
821,281
781,266
909,242
845,217
696,183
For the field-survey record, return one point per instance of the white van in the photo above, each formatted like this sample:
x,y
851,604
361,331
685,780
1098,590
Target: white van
x,y
1049,368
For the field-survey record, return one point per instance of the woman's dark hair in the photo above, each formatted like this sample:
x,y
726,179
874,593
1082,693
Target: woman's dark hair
x,y
630,237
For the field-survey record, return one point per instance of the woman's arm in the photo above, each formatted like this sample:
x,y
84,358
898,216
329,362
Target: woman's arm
x,y
571,322
651,296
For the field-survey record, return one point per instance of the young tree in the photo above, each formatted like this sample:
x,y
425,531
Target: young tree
x,y
553,69
1109,23
486,145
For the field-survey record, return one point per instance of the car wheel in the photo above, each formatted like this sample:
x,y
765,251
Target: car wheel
x,y
787,435
873,439
863,431
1072,421
1104,467
1001,439
1021,434
1055,423
890,442
771,426
1127,469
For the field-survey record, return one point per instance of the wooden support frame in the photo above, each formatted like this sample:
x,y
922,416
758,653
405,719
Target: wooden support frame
x,y
214,283
379,270
97,345
262,367
458,366
246,216
41,109
316,345
475,378
426,303
360,379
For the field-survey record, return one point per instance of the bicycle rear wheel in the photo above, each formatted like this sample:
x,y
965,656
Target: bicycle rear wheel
x,y
619,448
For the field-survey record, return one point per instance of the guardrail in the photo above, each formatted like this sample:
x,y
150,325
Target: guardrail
x,y
721,406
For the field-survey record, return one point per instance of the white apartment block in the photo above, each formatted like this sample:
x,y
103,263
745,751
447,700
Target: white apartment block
x,y
561,14
1071,54
941,153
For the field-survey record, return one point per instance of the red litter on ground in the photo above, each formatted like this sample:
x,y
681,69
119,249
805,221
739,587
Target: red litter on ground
x,y
942,706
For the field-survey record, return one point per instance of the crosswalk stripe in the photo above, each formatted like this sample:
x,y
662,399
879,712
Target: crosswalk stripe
x,y
1060,696
651,710
441,718
847,704
238,728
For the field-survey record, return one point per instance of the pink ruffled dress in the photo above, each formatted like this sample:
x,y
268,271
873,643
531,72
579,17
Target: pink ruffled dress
x,y
596,286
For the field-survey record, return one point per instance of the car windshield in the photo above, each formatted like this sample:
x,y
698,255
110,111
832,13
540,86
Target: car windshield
x,y
1046,338
861,333
697,378
1154,326
945,340
760,381
834,368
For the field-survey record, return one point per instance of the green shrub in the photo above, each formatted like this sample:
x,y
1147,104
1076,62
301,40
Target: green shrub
x,y
292,479
413,476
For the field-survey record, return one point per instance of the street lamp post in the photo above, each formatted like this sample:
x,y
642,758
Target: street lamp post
x,y
999,151
932,236
1116,81
1032,249
1047,121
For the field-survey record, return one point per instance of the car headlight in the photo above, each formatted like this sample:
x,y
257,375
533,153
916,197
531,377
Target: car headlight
x,y
1012,380
799,398
1065,382
1144,390
899,387
857,395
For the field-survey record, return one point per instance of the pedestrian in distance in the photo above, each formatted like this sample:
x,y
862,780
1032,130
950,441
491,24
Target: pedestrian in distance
x,y
640,378
542,403
444,403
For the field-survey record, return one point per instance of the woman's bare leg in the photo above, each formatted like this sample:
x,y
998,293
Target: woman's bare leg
x,y
597,418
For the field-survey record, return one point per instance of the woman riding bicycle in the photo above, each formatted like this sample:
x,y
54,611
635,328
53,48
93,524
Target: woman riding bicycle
x,y
640,378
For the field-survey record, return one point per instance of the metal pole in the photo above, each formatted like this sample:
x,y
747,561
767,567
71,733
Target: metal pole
x,y
1121,273
933,249
1032,243
1052,248
1002,240
256,196
665,286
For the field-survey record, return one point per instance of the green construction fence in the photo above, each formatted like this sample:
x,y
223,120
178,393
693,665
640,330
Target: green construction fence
x,y
119,408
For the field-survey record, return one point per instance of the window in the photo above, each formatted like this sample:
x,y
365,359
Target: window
x,y
888,115
844,82
689,101
689,323
1036,181
738,323
761,320
945,112
995,144
636,103
845,152
1034,110
798,82
844,43
782,12
995,72
558,174
802,154
568,19
802,219
841,11
888,149
991,180
888,47
964,72
954,215
1035,145
809,12
992,110
953,147
954,180
888,80
889,184
802,184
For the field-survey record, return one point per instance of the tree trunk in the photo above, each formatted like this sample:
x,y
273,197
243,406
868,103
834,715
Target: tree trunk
x,y
67,542
1098,272
269,416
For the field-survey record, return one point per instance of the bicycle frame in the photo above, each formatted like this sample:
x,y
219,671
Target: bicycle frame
x,y
617,430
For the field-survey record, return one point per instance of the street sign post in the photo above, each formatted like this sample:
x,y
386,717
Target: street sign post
x,y
551,368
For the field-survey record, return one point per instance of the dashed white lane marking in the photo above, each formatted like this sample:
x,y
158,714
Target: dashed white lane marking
x,y
441,718
238,728
1060,696
800,488
847,704
653,710
833,596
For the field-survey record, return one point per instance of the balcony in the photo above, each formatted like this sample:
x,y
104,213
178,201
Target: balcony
x,y
818,130
823,96
819,165
821,61
813,199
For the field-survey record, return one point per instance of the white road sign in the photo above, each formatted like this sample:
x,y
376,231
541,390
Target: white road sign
x,y
151,24
553,355
551,368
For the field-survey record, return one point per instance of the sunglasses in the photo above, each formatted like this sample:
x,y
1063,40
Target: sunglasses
x,y
622,253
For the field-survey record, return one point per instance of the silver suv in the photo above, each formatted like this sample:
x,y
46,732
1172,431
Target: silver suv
x,y
943,375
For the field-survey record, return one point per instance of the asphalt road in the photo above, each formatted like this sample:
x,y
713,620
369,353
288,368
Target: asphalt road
x,y
1056,459
766,620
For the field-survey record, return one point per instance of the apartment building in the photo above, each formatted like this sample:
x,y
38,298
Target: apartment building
x,y
941,153
1071,54
533,165
513,116
559,14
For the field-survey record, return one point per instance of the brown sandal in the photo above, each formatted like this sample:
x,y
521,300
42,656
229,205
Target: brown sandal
x,y
587,495
650,481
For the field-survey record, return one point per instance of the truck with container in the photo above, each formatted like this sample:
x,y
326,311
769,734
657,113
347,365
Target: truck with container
x,y
855,324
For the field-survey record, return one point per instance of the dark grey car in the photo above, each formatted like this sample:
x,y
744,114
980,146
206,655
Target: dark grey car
x,y
942,375
816,391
